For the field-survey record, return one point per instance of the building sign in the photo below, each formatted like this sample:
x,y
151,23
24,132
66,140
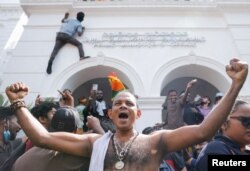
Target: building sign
x,y
147,40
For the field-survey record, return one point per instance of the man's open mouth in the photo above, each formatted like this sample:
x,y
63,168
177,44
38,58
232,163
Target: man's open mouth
x,y
123,115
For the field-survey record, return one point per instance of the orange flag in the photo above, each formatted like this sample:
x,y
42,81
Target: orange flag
x,y
115,83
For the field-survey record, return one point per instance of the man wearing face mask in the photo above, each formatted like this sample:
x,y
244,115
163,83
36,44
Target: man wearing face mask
x,y
10,147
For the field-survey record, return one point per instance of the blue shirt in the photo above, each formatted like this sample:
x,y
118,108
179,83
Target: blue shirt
x,y
221,145
71,27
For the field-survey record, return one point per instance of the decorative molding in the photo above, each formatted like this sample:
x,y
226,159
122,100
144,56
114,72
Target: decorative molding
x,y
175,4
151,103
161,3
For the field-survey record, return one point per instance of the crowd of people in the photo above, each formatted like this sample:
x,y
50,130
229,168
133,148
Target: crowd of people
x,y
97,136
18,154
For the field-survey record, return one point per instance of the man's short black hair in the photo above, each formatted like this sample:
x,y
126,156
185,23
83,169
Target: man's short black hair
x,y
148,130
43,109
80,16
5,112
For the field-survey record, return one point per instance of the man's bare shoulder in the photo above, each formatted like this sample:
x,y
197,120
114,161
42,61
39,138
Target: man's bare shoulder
x,y
91,136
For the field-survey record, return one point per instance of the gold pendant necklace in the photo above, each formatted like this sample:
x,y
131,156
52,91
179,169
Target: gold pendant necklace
x,y
124,151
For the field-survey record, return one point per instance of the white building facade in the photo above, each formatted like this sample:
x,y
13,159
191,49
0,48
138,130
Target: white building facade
x,y
152,45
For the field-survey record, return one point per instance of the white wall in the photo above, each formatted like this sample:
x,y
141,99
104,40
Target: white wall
x,y
10,13
145,70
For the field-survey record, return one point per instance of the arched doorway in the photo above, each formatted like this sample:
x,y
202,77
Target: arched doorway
x,y
97,68
210,74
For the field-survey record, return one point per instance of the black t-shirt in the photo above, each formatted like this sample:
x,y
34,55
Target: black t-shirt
x,y
192,114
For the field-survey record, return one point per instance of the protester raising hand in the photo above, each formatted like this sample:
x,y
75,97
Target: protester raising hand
x,y
67,99
16,91
237,70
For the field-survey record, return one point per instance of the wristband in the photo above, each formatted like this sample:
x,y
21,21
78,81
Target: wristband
x,y
17,104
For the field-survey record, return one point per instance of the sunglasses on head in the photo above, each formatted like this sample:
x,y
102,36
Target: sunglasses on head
x,y
245,121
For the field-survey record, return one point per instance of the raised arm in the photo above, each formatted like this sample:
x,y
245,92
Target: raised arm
x,y
67,99
66,16
94,124
189,85
80,145
189,135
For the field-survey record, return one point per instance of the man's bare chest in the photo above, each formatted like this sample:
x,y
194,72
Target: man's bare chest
x,y
139,155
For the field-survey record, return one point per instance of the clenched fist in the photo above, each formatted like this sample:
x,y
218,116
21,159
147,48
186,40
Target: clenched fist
x,y
16,91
